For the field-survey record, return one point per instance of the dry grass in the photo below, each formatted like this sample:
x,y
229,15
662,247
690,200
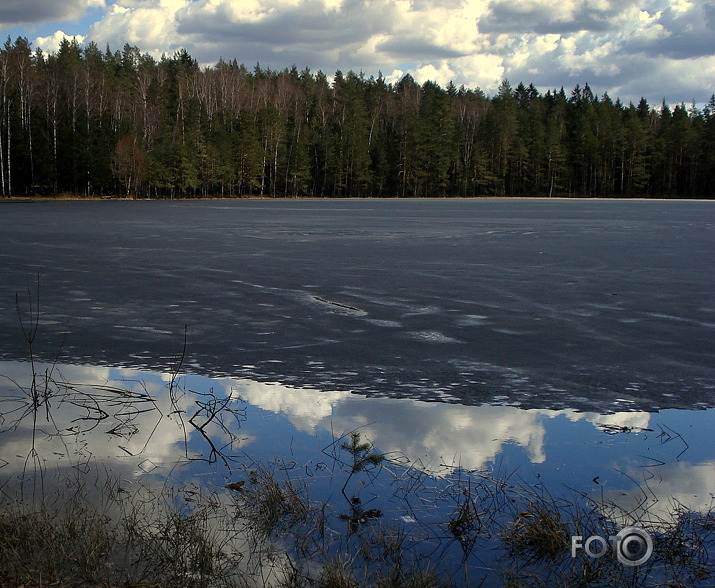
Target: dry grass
x,y
271,504
146,538
266,532
537,532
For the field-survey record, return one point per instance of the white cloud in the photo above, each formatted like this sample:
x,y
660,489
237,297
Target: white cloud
x,y
584,53
50,43
438,29
681,5
148,25
481,70
428,433
484,70
636,47
432,437
435,437
441,75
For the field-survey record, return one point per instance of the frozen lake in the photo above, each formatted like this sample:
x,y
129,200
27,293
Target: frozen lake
x,y
566,344
594,305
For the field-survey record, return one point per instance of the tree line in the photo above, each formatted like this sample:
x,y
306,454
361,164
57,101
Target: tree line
x,y
91,122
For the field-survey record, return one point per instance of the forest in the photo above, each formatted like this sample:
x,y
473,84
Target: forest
x,y
89,122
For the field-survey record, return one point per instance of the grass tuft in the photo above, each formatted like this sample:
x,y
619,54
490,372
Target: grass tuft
x,y
537,532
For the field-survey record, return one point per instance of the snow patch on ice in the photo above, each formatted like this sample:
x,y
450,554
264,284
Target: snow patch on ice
x,y
432,337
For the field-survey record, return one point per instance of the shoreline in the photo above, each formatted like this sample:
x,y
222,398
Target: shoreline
x,y
70,198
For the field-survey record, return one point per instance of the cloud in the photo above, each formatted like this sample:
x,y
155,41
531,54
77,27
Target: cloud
x,y
329,33
280,22
418,32
34,11
50,43
148,25
546,16
326,34
663,49
686,31
651,78
629,48
306,407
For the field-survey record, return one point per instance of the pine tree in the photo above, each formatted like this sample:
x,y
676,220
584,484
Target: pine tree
x,y
100,122
436,141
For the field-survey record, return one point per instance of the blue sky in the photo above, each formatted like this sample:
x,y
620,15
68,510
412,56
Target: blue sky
x,y
658,49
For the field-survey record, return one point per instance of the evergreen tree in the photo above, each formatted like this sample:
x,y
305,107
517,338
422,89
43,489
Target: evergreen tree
x,y
88,121
436,141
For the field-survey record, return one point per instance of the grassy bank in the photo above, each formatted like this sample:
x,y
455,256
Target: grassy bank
x,y
92,529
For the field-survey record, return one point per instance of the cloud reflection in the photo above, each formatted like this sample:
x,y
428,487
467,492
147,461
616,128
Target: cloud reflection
x,y
436,435
664,490
154,430
97,412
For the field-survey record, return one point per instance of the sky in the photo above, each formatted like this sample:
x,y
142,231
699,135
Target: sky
x,y
657,49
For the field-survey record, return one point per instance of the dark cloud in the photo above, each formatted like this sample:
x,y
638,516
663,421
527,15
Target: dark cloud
x,y
656,87
34,11
690,34
671,34
306,34
415,49
553,75
306,24
567,16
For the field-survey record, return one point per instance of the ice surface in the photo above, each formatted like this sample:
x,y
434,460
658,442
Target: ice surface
x,y
549,304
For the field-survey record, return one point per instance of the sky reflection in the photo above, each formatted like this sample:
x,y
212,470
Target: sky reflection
x,y
141,422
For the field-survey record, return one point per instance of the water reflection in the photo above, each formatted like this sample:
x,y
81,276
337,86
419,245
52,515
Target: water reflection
x,y
149,421
105,413
682,485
